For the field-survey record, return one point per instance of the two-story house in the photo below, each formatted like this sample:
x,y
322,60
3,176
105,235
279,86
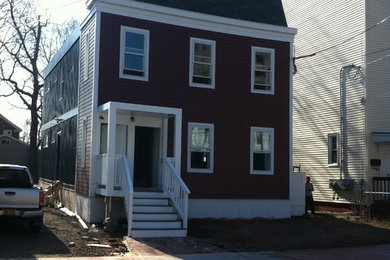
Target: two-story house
x,y
341,98
184,110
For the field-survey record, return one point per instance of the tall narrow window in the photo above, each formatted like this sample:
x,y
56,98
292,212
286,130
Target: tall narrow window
x,y
83,143
262,150
134,53
202,63
45,141
333,149
200,147
87,50
263,70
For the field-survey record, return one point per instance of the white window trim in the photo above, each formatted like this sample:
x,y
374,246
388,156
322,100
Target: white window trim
x,y
213,65
253,66
125,29
329,150
271,132
198,170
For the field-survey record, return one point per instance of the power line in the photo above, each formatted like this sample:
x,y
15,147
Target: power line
x,y
385,49
345,41
381,58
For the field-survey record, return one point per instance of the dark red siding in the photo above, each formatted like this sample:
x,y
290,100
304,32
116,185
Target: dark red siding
x,y
231,106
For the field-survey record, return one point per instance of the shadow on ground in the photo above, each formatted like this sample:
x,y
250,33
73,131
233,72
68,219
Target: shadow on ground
x,y
16,241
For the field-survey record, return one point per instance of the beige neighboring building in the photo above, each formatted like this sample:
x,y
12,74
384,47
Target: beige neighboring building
x,y
341,98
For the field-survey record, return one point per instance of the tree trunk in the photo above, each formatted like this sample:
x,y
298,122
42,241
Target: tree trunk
x,y
33,160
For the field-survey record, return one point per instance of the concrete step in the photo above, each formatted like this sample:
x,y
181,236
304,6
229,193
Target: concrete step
x,y
153,209
156,224
151,201
144,194
158,233
154,216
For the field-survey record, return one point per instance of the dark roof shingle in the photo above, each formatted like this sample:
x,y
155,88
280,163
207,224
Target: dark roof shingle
x,y
260,11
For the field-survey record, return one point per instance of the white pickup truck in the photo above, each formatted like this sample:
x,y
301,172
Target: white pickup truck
x,y
19,197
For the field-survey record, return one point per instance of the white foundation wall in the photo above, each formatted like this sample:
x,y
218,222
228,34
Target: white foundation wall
x,y
90,209
236,208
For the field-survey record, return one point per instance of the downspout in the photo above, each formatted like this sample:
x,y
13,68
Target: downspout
x,y
344,71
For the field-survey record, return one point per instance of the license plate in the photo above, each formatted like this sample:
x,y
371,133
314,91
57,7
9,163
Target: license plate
x,y
9,212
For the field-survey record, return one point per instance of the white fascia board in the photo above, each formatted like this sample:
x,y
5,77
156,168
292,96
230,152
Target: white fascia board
x,y
60,119
62,51
138,108
196,20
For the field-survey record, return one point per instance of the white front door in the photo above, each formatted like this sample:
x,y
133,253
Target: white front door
x,y
384,151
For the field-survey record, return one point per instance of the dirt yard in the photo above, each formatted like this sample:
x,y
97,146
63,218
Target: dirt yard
x,y
62,236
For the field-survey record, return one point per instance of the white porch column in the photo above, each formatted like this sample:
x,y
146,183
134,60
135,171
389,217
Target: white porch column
x,y
111,148
177,140
165,136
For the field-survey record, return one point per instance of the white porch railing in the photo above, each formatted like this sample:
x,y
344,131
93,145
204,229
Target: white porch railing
x,y
176,189
118,184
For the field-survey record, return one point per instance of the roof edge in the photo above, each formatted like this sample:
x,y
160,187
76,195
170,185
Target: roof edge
x,y
190,19
9,122
61,52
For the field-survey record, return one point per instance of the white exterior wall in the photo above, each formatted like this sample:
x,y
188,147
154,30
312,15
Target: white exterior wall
x,y
316,97
377,76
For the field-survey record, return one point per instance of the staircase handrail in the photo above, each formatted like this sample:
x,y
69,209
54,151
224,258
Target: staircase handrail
x,y
177,190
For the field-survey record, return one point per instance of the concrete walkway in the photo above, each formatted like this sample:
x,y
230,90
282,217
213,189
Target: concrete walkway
x,y
377,252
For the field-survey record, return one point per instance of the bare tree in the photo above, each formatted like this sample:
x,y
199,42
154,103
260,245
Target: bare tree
x,y
25,48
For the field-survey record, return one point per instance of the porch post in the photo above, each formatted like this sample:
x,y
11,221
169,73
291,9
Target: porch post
x,y
111,148
177,145
165,136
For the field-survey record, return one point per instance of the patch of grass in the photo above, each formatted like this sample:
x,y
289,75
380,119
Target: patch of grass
x,y
319,231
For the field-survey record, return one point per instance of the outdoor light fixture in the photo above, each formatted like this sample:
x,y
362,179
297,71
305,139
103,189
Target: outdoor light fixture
x,y
132,117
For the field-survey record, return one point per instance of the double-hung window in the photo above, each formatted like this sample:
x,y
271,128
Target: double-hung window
x,y
200,147
134,56
202,63
262,151
263,70
333,149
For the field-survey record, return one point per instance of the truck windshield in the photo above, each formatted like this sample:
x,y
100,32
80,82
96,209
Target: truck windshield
x,y
11,178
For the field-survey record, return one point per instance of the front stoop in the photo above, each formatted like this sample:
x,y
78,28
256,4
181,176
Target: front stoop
x,y
153,216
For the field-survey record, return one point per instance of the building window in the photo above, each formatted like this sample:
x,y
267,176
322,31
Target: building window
x,y
45,141
86,54
263,70
7,132
48,86
5,142
262,150
134,56
200,147
83,143
202,63
53,137
333,149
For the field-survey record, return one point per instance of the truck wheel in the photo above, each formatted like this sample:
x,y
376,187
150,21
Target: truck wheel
x,y
36,224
